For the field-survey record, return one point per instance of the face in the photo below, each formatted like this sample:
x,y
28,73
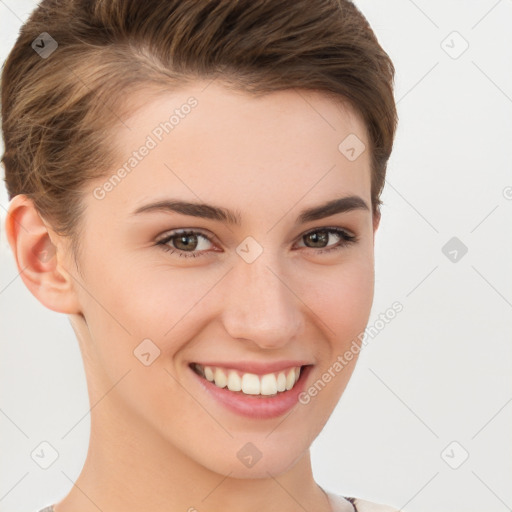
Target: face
x,y
274,290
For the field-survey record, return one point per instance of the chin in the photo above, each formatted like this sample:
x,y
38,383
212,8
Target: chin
x,y
256,456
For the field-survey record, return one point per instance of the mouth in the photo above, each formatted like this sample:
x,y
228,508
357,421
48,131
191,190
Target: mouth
x,y
255,396
245,383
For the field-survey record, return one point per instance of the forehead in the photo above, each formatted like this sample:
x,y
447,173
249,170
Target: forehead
x,y
209,142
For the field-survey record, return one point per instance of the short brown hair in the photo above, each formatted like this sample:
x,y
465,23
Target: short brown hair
x,y
59,112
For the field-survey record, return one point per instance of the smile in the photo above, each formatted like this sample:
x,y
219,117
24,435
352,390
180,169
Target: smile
x,y
250,383
250,388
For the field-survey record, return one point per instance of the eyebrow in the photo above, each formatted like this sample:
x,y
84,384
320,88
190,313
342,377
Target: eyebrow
x,y
208,211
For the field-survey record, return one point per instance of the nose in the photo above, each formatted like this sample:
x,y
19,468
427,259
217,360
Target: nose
x,y
260,305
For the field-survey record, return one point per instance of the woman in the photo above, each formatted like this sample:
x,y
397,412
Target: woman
x,y
196,185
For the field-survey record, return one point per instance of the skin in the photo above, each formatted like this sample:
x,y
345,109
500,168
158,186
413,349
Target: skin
x,y
158,442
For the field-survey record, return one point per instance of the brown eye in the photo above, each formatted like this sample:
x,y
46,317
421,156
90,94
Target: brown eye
x,y
319,239
187,244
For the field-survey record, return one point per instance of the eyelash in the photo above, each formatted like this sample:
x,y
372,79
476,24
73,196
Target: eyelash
x,y
347,240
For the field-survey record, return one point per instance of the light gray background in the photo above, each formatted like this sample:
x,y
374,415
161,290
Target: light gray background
x,y
438,373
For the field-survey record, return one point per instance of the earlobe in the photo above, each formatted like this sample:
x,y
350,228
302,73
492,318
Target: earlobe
x,y
39,257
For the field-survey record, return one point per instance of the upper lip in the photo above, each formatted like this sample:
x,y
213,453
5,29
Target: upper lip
x,y
259,368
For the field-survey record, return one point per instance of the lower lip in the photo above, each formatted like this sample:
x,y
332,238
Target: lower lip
x,y
256,406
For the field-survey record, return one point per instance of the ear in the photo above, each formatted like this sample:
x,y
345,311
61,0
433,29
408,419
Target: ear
x,y
39,258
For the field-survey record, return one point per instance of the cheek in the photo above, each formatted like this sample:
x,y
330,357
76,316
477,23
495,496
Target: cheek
x,y
341,296
137,321
154,310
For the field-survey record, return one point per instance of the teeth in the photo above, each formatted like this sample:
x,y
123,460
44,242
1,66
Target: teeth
x,y
234,381
208,373
281,382
220,378
290,379
250,383
269,384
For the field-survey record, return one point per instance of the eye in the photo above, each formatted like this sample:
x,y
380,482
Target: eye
x,y
186,243
321,236
191,244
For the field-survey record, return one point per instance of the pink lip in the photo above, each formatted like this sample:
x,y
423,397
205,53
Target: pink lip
x,y
254,367
256,406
